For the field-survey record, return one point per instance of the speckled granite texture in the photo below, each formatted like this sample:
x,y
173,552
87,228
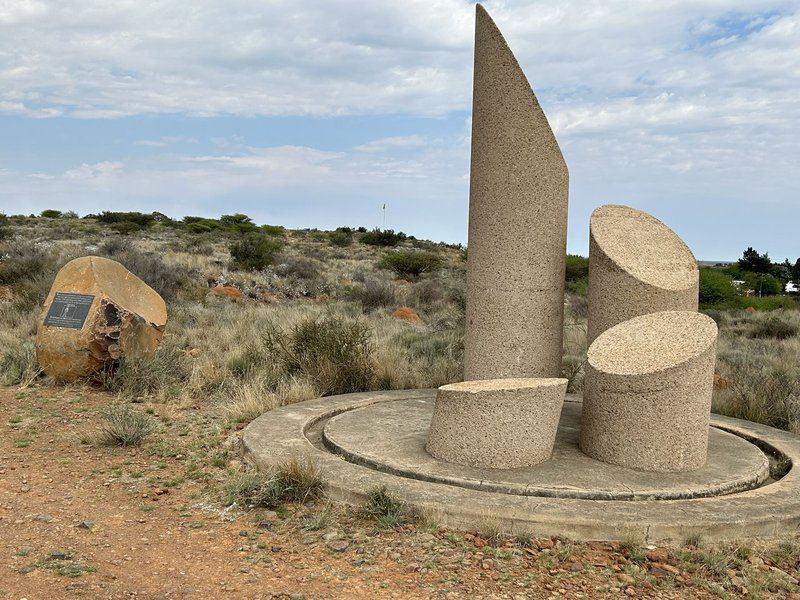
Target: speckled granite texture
x,y
647,392
517,222
499,423
637,265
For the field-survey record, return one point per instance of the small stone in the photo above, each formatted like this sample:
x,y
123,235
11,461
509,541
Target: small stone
x,y
479,542
338,545
629,591
242,533
59,556
276,548
43,518
86,525
487,564
625,578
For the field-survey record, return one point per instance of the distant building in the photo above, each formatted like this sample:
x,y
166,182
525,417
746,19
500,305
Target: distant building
x,y
792,288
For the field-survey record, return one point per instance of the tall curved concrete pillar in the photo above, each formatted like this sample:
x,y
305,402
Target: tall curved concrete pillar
x,y
637,266
517,222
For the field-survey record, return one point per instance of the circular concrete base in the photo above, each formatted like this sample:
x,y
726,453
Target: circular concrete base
x,y
381,435
391,436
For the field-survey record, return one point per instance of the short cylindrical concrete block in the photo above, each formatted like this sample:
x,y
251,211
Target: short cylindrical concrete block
x,y
496,423
647,392
637,265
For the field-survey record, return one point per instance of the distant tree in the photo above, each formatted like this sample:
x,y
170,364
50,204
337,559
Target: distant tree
x,y
236,219
4,230
763,284
577,267
796,271
70,214
385,237
754,262
51,214
716,287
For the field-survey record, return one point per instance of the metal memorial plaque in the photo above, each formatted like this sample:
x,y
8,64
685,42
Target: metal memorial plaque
x,y
69,310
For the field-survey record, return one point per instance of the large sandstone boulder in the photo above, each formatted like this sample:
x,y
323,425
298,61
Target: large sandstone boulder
x,y
97,311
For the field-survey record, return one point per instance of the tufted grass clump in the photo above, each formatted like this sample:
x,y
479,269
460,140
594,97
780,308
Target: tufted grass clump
x,y
386,508
18,364
334,353
291,481
124,426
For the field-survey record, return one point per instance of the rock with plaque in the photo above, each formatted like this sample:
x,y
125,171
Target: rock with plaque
x,y
97,312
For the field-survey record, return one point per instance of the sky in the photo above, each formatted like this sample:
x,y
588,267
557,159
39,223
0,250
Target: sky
x,y
311,113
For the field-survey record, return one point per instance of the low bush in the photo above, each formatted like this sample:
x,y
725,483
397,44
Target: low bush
x,y
373,294
340,238
5,230
333,352
124,426
385,237
411,264
22,260
254,251
51,214
774,328
298,266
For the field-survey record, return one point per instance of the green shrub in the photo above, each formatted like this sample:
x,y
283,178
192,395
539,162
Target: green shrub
x,y
5,231
716,287
51,214
238,222
774,328
340,238
333,352
411,263
577,267
254,251
763,284
142,220
273,230
126,227
386,237
124,426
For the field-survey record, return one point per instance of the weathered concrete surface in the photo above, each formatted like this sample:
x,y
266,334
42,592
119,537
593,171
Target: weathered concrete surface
x,y
637,265
768,511
126,317
496,423
647,392
391,437
517,222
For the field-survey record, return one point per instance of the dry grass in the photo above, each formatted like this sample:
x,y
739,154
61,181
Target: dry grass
x,y
215,353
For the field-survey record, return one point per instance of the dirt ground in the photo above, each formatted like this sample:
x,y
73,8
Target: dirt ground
x,y
78,521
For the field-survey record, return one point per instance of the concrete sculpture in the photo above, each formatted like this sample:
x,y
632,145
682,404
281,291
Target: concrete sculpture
x,y
496,423
647,392
637,265
517,222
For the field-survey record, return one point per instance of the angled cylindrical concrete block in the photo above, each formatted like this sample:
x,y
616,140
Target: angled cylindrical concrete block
x,y
637,265
517,223
496,423
647,392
